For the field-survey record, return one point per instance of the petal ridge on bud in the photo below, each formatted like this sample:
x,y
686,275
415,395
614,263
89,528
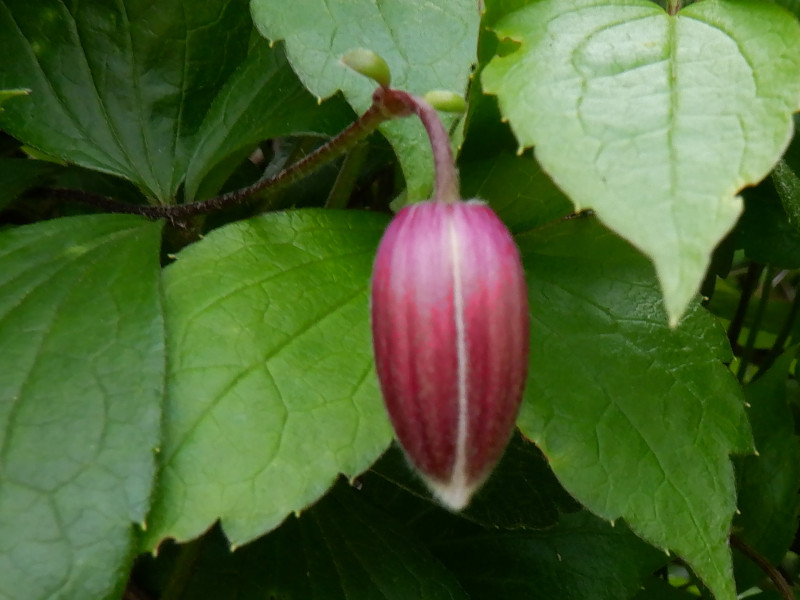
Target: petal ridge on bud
x,y
450,330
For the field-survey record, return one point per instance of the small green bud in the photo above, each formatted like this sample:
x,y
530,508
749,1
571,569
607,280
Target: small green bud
x,y
368,63
446,101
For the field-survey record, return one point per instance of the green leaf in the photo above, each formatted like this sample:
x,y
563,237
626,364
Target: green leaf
x,y
522,492
583,557
271,390
764,232
654,121
341,549
261,100
133,116
768,483
428,46
516,187
20,174
787,184
80,392
636,419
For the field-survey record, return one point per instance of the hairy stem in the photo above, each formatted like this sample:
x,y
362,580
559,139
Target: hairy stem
x,y
780,582
378,113
387,104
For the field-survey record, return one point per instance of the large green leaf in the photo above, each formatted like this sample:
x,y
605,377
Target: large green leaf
x,y
768,483
427,45
120,87
82,336
655,121
341,549
270,388
636,419
262,99
146,91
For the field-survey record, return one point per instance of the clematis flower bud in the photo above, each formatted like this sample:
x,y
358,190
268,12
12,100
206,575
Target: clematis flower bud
x,y
450,332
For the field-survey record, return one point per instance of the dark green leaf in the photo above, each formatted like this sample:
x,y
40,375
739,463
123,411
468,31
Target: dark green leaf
x,y
628,121
271,390
119,87
522,492
341,549
764,230
20,174
583,557
768,483
517,188
80,393
636,419
787,184
261,100
428,46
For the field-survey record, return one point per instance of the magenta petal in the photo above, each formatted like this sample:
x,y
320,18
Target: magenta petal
x,y
450,331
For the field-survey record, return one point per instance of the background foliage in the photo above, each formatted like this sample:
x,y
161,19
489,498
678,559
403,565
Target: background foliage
x,y
204,386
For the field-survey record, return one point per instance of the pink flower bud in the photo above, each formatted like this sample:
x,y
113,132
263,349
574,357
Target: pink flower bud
x,y
450,331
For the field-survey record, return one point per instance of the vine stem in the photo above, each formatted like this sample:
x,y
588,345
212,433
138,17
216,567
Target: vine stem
x,y
673,6
387,104
761,309
777,578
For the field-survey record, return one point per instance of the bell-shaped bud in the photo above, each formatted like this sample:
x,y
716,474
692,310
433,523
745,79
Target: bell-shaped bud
x,y
450,329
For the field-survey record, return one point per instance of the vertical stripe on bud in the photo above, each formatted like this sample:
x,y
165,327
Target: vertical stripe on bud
x,y
450,331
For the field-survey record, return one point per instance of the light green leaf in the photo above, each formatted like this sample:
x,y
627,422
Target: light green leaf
x,y
82,342
270,389
636,419
261,100
427,45
340,549
654,121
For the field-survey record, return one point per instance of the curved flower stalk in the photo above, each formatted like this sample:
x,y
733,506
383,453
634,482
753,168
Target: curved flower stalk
x,y
450,321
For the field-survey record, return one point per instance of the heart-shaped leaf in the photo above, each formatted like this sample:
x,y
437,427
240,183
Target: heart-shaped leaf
x,y
655,121
427,45
271,389
82,342
147,91
636,419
